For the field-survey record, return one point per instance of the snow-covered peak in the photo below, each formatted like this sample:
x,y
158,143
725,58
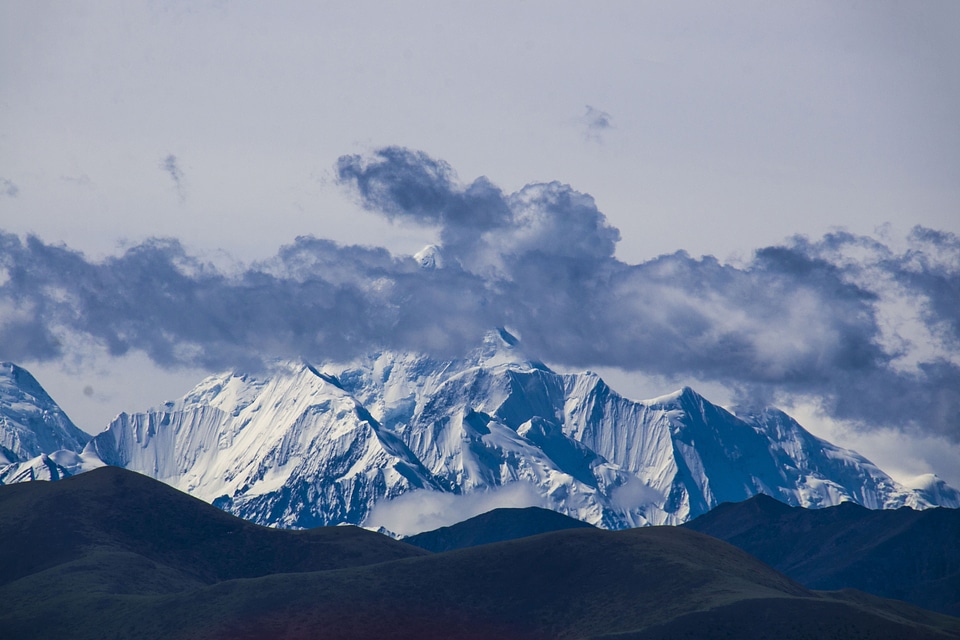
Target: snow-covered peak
x,y
934,490
291,448
492,418
499,348
681,398
31,423
429,257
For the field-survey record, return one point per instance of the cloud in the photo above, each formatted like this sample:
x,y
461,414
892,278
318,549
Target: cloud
x,y
870,331
170,165
315,299
482,230
597,122
81,180
418,511
633,494
7,188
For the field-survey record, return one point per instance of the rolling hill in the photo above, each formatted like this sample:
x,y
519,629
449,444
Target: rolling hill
x,y
498,525
901,553
112,554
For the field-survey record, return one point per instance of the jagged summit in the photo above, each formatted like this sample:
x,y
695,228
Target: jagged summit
x,y
293,449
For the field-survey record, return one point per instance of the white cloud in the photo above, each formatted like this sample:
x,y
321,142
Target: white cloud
x,y
425,510
633,494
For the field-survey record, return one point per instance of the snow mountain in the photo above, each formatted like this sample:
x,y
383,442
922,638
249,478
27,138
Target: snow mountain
x,y
37,439
309,445
291,450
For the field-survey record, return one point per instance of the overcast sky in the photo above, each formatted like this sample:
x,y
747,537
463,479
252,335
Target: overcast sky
x,y
761,200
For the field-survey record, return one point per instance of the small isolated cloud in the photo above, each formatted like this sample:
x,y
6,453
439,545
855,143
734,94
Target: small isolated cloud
x,y
424,510
81,180
597,122
171,167
634,493
7,188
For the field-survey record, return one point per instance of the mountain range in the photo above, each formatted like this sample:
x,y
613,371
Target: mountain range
x,y
114,554
310,444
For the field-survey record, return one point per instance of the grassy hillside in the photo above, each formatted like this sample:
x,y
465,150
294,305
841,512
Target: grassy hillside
x,y
904,554
498,525
121,556
111,510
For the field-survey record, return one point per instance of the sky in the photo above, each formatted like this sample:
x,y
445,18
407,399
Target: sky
x,y
759,200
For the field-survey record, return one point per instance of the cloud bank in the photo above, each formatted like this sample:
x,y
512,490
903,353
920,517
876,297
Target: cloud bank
x,y
870,330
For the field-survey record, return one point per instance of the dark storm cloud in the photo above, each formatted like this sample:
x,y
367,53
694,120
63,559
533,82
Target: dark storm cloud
x,y
871,332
